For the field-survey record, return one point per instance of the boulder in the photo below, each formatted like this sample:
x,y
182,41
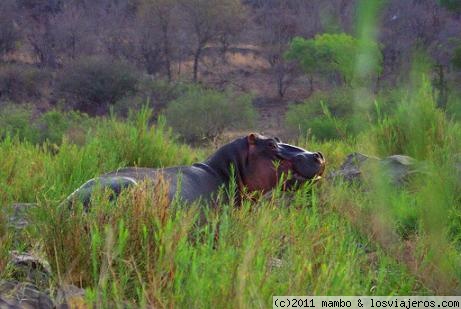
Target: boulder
x,y
18,215
355,168
29,267
14,294
70,296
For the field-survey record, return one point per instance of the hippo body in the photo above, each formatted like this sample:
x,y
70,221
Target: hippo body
x,y
194,182
248,160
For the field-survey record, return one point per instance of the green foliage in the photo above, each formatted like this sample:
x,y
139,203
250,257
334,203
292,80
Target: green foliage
x,y
204,114
452,5
20,83
143,251
16,120
331,53
54,125
93,83
155,93
454,106
51,126
417,128
456,60
326,115
62,168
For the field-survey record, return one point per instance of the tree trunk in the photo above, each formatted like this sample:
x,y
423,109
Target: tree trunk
x,y
197,54
311,84
441,86
166,51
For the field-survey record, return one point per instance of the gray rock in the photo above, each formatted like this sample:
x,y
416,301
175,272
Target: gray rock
x,y
29,267
18,215
69,295
357,166
14,294
400,168
351,169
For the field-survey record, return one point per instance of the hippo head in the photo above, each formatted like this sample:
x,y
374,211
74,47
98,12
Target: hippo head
x,y
268,159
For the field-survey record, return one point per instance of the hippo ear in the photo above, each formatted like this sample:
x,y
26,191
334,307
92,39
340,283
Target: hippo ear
x,y
252,137
277,139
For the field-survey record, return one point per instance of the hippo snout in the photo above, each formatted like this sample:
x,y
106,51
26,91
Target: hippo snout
x,y
309,165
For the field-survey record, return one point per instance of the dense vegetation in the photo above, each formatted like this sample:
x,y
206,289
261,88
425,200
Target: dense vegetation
x,y
332,238
87,87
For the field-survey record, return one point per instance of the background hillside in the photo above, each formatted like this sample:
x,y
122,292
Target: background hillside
x,y
51,50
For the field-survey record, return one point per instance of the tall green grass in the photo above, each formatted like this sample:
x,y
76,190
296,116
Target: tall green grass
x,y
142,251
32,171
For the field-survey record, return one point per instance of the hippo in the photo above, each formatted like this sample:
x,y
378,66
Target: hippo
x,y
255,162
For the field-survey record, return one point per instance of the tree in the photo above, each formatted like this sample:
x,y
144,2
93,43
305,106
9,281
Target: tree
x,y
331,54
74,31
203,114
451,5
9,34
37,26
456,60
207,19
232,26
156,29
278,24
92,84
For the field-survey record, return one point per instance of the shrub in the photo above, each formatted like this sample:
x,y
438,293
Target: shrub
x,y
417,128
454,105
333,53
51,126
93,83
326,115
16,120
204,114
154,93
160,92
55,125
21,82
456,60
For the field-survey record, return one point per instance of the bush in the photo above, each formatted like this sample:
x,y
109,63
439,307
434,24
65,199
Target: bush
x,y
417,127
21,82
93,83
160,92
204,114
154,93
456,60
333,53
454,105
16,120
326,115
51,126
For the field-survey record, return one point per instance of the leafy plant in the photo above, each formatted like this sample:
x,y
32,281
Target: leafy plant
x,y
204,114
91,84
331,53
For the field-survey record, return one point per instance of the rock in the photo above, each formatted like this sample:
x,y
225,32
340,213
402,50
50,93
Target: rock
x,y
351,169
70,296
29,267
18,215
398,168
14,294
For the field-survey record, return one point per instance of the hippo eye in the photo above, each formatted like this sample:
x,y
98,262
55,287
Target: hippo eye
x,y
273,145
